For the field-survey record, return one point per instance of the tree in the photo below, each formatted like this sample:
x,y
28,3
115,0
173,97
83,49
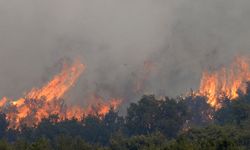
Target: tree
x,y
3,125
70,143
212,137
41,144
199,111
235,112
151,115
172,116
142,117
145,142
4,145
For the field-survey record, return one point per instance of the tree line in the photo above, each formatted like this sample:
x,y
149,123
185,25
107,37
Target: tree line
x,y
150,124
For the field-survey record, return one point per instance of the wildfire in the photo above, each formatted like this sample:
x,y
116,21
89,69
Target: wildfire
x,y
99,107
41,103
61,83
225,83
48,100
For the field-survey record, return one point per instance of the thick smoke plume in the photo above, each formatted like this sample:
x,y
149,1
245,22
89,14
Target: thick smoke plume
x,y
163,45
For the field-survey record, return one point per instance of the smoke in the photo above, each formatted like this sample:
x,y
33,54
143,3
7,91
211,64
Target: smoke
x,y
115,38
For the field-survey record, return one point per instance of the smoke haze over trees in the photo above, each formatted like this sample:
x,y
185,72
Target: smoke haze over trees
x,y
129,48
114,39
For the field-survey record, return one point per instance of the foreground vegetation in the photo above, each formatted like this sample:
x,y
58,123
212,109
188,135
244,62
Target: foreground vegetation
x,y
150,124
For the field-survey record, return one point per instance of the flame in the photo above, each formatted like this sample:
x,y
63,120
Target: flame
x,y
99,109
97,105
225,83
3,101
103,108
41,103
61,83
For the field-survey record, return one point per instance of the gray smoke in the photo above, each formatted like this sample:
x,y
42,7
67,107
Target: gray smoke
x,y
114,38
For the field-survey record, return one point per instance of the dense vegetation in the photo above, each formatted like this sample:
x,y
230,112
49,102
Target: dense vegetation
x,y
150,124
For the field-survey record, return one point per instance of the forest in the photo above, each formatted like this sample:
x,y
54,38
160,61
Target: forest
x,y
150,124
125,75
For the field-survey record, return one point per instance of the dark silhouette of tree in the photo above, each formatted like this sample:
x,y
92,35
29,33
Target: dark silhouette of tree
x,y
147,142
169,124
142,117
3,125
41,144
151,115
236,111
200,112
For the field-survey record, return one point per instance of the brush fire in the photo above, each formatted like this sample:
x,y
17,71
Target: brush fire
x,y
226,82
42,102
48,100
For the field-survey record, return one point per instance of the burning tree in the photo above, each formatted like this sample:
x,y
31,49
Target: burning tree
x,y
41,103
225,83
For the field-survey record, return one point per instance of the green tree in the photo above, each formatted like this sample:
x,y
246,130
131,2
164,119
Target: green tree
x,y
41,144
151,115
140,142
142,117
70,143
4,145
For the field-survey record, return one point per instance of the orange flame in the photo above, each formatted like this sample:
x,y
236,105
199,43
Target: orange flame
x,y
61,83
99,108
41,103
225,83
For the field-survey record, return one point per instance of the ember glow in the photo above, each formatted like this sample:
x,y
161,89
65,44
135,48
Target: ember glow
x,y
41,103
225,83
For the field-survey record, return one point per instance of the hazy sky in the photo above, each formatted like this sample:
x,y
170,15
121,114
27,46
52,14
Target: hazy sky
x,y
115,37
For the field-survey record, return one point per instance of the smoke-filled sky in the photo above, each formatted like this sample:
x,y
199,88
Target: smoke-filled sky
x,y
115,38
